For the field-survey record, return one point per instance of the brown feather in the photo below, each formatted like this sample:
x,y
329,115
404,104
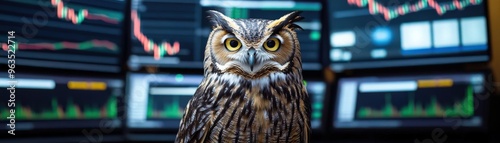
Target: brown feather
x,y
234,105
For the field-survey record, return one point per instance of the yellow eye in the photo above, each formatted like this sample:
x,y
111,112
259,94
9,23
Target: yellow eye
x,y
232,44
272,44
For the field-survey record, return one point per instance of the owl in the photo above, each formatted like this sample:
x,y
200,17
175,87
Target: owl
x,y
252,90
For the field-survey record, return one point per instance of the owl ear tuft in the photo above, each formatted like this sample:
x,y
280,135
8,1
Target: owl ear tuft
x,y
218,19
292,24
287,20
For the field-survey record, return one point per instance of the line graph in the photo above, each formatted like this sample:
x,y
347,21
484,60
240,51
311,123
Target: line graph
x,y
70,14
375,7
70,111
418,108
170,110
87,45
166,107
149,45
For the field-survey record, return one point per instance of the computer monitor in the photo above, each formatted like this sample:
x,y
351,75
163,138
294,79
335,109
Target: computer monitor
x,y
316,90
386,33
411,101
173,34
63,34
35,102
157,101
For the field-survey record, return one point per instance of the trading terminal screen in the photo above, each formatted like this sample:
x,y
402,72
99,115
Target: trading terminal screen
x,y
173,34
157,101
387,33
61,102
409,101
77,35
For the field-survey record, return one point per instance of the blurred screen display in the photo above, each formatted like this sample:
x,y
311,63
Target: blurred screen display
x,y
158,100
410,101
174,33
53,102
406,33
316,91
64,34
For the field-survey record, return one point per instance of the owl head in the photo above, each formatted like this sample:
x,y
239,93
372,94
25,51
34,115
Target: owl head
x,y
253,48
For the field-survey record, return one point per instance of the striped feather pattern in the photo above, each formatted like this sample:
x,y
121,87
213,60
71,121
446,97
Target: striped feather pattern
x,y
232,105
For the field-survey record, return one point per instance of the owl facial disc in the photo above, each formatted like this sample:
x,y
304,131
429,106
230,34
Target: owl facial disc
x,y
253,48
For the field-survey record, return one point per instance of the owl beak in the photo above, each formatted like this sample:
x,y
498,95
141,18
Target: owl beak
x,y
251,57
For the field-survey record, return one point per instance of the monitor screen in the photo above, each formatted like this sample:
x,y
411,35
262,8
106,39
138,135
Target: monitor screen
x,y
410,101
406,33
316,91
37,102
157,101
63,34
173,34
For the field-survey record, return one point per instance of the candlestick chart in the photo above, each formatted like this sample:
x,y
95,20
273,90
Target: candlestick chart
x,y
389,13
70,14
76,12
88,31
386,33
174,35
165,33
312,25
159,50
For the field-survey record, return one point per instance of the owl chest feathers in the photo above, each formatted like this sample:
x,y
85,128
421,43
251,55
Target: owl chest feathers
x,y
267,109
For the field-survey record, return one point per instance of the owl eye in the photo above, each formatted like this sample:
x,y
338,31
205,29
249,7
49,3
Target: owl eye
x,y
272,44
232,44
